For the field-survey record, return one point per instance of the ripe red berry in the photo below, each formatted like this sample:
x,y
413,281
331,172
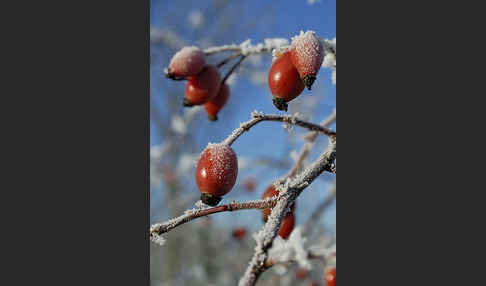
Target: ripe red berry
x,y
216,172
307,54
301,273
287,226
284,81
330,277
189,61
239,233
216,104
202,87
269,193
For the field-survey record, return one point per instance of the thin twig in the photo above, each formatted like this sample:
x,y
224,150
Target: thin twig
x,y
164,227
259,117
226,60
233,68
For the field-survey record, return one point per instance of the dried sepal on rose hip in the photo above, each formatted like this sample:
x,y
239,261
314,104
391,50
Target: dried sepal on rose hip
x,y
217,103
216,172
330,276
284,81
288,222
189,61
307,54
202,87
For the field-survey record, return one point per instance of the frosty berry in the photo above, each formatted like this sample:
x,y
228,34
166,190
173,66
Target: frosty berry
x,y
216,172
189,61
307,54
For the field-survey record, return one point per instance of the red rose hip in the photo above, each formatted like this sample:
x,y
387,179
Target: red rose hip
x,y
216,172
307,54
202,87
216,104
284,81
189,61
287,226
330,277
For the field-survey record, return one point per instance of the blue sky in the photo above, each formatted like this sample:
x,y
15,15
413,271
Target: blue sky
x,y
255,20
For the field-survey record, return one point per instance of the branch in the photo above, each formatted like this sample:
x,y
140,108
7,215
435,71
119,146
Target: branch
x,y
233,68
246,48
160,228
288,193
259,117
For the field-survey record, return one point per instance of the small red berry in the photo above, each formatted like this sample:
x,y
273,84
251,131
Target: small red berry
x,y
284,81
249,184
287,226
330,277
202,87
216,172
269,193
301,273
307,54
189,61
216,104
239,233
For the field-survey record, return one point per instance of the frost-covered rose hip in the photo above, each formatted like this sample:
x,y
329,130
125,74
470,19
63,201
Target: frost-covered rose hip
x,y
330,277
216,172
188,61
307,54
216,104
284,81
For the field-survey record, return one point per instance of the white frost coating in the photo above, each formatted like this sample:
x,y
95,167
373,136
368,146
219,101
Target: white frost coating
x,y
187,61
329,61
290,249
246,48
178,125
223,160
308,51
158,239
